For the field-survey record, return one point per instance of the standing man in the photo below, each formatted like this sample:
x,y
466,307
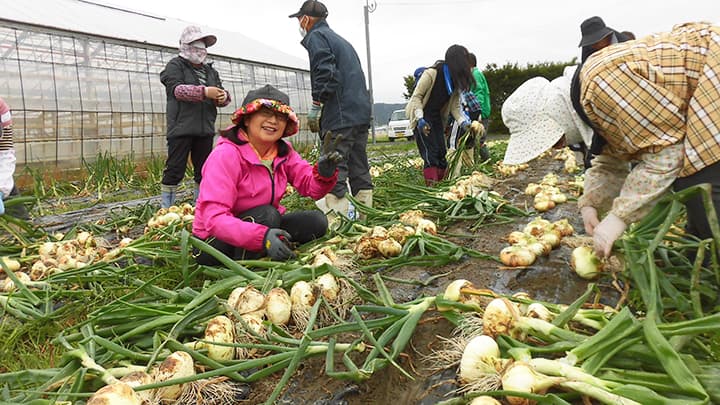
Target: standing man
x,y
340,104
194,91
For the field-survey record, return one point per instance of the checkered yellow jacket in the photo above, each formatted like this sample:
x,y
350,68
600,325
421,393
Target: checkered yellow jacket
x,y
644,95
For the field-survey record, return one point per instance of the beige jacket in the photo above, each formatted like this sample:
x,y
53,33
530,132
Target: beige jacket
x,y
421,95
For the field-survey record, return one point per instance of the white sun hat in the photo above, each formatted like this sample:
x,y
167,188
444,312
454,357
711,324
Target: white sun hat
x,y
559,107
538,114
532,132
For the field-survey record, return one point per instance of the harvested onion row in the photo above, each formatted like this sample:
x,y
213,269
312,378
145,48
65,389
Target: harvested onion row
x,y
471,185
538,238
183,214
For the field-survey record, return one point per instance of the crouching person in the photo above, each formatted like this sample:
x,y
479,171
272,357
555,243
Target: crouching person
x,y
243,180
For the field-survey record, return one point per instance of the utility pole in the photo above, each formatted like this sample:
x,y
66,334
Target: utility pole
x,y
369,7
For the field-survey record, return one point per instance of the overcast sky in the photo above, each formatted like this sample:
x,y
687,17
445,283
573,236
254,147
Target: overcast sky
x,y
405,34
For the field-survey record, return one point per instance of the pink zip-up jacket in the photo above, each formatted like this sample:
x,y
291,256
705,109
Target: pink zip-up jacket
x,y
234,180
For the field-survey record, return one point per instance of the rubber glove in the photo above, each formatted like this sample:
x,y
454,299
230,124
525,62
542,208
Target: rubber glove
x,y
277,244
423,126
314,116
590,219
2,205
606,233
330,157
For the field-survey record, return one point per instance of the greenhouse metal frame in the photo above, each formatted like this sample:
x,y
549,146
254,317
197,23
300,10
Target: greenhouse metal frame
x,y
74,96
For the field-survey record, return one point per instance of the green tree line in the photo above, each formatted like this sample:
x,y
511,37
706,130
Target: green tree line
x,y
503,80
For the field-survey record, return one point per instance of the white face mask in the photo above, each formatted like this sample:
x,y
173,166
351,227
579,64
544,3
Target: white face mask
x,y
303,31
198,44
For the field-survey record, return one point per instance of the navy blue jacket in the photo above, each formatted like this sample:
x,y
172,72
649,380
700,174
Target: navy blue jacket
x,y
184,117
337,79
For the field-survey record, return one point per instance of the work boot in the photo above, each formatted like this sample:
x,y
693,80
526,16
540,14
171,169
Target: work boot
x,y
167,195
196,193
431,175
485,153
322,205
336,206
365,197
441,174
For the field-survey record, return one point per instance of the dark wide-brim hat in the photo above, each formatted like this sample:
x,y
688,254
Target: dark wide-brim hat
x,y
311,8
593,30
272,98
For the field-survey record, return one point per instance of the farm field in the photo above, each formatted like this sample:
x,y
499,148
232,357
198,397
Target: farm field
x,y
105,285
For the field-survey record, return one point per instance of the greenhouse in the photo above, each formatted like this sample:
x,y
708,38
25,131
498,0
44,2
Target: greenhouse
x,y
80,84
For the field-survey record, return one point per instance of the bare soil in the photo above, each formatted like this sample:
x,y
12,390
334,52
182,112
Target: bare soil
x,y
548,279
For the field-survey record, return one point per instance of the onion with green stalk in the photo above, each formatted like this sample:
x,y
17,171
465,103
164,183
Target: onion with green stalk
x,y
517,256
302,297
247,300
115,394
502,317
464,292
8,285
278,307
480,363
537,226
138,378
484,400
176,365
585,263
389,247
220,329
520,377
10,263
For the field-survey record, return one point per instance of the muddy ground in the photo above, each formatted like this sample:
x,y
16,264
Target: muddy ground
x,y
549,279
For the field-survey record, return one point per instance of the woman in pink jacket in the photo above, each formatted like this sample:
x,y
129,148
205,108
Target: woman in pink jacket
x,y
243,180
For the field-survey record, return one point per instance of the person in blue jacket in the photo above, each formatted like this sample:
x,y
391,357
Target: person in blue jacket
x,y
341,104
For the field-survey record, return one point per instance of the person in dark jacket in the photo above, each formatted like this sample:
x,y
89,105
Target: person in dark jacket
x,y
194,91
596,35
341,103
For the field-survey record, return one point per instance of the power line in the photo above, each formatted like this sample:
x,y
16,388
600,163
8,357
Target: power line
x,y
423,3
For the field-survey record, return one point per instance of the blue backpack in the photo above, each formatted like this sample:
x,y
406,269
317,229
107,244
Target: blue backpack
x,y
418,72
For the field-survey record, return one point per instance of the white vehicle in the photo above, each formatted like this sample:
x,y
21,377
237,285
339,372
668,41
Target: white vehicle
x,y
399,126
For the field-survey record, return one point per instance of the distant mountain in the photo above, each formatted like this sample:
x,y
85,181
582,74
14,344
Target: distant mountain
x,y
383,111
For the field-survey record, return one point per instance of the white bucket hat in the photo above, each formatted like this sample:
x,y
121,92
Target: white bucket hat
x,y
538,114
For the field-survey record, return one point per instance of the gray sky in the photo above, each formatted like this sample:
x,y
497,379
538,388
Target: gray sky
x,y
405,34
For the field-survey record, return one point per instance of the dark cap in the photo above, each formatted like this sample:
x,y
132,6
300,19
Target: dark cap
x,y
593,30
311,8
268,92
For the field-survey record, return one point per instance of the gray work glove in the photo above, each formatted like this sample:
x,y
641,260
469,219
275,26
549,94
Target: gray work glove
x,y
330,157
277,244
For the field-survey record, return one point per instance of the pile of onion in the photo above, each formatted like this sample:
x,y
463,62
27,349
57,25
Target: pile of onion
x,y
61,255
184,214
538,238
471,185
417,220
570,165
176,365
509,170
377,242
547,195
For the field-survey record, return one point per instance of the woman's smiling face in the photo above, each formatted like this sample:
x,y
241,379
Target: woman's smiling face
x,y
266,125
